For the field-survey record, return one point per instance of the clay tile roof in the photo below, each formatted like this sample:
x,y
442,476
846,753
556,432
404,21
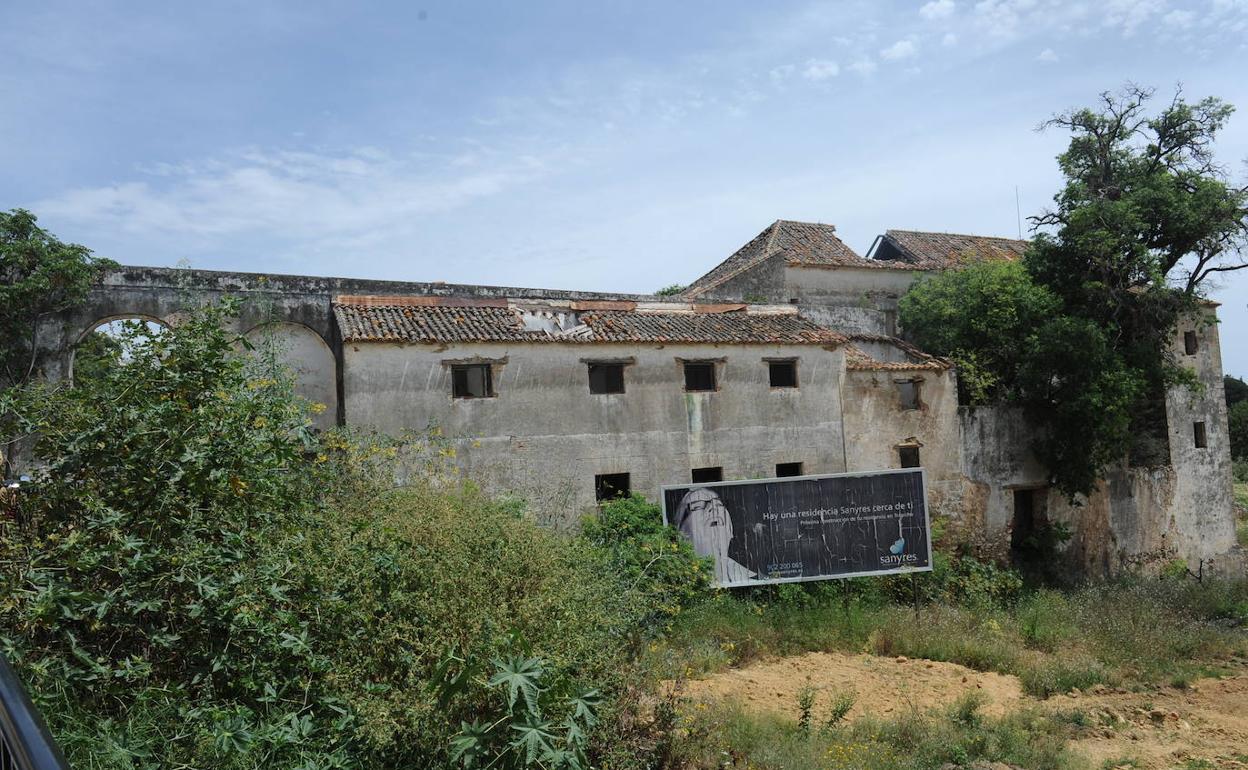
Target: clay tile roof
x,y
939,251
399,322
708,328
801,244
858,359
404,319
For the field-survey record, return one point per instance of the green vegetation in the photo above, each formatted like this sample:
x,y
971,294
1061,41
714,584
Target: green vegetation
x,y
1138,632
670,290
655,559
717,736
985,344
39,276
1080,338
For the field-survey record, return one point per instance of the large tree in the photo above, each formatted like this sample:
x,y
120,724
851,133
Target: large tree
x,y
39,276
1145,218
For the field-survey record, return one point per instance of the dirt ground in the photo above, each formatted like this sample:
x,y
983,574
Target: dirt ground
x,y
1204,725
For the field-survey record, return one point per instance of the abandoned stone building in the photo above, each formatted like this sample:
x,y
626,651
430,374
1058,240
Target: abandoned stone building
x,y
782,360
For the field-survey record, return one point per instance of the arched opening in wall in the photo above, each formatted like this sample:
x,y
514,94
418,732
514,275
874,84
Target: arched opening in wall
x,y
111,342
309,359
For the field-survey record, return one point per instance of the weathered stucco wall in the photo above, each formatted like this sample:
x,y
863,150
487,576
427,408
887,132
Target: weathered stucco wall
x,y
1136,517
545,436
1203,485
813,283
310,360
876,424
763,282
845,298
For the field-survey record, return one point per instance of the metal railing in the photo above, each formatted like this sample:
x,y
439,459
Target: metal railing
x,y
24,740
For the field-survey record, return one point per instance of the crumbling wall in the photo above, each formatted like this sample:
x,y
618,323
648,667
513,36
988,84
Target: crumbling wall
x,y
1134,518
1203,503
876,424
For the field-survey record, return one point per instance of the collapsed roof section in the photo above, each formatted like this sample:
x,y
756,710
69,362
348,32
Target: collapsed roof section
x,y
943,251
880,352
428,319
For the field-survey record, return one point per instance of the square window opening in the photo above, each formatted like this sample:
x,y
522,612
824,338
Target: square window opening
x,y
909,456
699,375
784,470
1199,435
609,486
783,374
606,378
908,394
707,475
1190,345
472,381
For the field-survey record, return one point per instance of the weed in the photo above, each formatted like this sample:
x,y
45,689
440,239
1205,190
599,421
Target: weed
x,y
806,707
842,703
966,708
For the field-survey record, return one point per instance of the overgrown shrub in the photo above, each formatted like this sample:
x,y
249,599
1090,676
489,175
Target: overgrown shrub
x,y
958,580
423,575
654,558
198,580
151,593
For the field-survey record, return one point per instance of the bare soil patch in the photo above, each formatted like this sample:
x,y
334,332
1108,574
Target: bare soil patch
x,y
881,686
1204,725
1201,726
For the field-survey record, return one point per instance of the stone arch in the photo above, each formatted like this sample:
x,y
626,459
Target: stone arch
x,y
99,323
96,324
310,358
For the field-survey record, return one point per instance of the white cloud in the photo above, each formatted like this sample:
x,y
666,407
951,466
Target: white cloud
x,y
1177,18
782,73
347,196
820,69
937,9
1130,14
949,39
902,49
864,66
1047,55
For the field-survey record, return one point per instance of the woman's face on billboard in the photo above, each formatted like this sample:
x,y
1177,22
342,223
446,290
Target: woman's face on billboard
x,y
707,523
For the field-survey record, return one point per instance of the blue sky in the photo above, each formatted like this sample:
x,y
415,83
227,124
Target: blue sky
x,y
612,146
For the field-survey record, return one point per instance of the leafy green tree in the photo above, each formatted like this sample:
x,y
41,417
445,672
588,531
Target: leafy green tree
x,y
979,316
1236,390
153,561
1238,420
670,290
1144,219
98,352
39,276
1145,207
1075,385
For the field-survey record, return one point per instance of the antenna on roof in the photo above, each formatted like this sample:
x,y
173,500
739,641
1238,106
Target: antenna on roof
x,y
1018,212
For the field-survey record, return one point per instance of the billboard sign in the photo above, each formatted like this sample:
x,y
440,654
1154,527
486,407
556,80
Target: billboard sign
x,y
806,527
